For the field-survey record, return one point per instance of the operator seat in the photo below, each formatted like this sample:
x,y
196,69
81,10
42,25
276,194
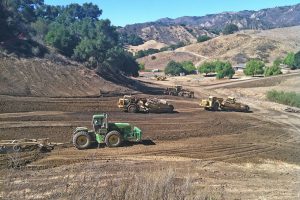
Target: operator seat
x,y
97,123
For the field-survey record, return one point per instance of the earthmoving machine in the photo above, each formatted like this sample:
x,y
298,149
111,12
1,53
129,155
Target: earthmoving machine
x,y
134,104
160,78
179,91
229,104
112,134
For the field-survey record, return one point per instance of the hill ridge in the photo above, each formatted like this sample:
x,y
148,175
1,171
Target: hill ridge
x,y
187,28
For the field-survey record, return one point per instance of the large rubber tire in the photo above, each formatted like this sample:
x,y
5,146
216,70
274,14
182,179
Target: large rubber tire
x,y
246,109
82,140
171,108
132,109
113,139
216,106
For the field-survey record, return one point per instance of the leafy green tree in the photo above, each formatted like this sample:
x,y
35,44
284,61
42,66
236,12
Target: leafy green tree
x,y
60,38
3,23
143,53
174,68
215,31
188,67
131,39
87,49
74,11
230,29
89,10
176,46
289,60
141,67
75,30
297,60
254,67
40,28
135,40
273,70
48,12
140,54
16,16
203,38
224,69
118,59
207,67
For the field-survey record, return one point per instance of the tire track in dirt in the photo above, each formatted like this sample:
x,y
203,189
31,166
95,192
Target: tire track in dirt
x,y
190,133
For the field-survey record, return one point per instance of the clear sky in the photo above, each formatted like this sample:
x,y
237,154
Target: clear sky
x,y
122,12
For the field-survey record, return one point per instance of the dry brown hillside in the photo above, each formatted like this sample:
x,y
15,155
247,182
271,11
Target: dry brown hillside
x,y
151,44
41,77
237,48
160,60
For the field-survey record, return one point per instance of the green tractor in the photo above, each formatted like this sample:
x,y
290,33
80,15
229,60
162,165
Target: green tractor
x,y
112,134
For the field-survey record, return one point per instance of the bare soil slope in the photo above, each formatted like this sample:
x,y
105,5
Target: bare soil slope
x,y
223,155
41,77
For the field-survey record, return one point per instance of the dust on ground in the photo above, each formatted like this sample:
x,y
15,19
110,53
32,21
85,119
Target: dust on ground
x,y
228,154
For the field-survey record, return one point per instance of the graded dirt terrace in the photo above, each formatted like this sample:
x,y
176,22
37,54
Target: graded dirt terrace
x,y
189,132
228,154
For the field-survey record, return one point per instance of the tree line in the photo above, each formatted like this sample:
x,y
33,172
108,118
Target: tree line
x,y
257,67
147,52
222,69
76,31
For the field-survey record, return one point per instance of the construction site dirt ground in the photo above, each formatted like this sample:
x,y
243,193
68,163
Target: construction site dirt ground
x,y
229,155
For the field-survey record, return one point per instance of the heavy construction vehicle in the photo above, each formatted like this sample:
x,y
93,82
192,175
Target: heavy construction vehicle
x,y
229,104
179,91
160,78
112,134
134,104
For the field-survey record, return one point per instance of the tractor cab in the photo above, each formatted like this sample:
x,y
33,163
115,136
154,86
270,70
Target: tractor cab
x,y
211,100
126,101
230,100
100,123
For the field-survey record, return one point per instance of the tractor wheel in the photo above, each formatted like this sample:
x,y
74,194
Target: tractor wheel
x,y
171,108
246,109
216,106
113,139
82,140
132,109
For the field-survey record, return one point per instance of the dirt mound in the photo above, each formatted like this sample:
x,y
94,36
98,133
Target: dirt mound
x,y
42,77
190,132
215,147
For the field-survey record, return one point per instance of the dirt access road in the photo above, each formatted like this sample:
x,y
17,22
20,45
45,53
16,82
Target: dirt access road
x,y
229,154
